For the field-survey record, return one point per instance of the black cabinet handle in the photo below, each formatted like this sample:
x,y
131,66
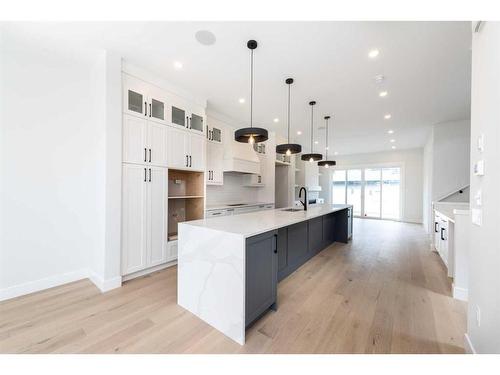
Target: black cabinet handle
x,y
216,213
144,174
190,123
145,152
149,174
150,110
190,161
442,230
150,155
187,161
435,226
276,244
145,108
187,122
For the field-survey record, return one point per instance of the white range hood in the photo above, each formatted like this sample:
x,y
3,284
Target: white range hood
x,y
240,157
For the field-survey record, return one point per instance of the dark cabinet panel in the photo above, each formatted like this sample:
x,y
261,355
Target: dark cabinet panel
x,y
315,235
349,222
341,225
297,244
328,230
261,274
282,248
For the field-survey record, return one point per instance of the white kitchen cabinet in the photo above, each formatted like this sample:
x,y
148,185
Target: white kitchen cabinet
x,y
443,240
196,119
214,174
134,222
185,150
187,116
144,142
141,99
214,134
197,152
144,217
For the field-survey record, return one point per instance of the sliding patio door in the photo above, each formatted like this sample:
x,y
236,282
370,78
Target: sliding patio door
x,y
374,192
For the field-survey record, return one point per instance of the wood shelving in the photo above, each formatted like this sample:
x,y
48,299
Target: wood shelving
x,y
186,199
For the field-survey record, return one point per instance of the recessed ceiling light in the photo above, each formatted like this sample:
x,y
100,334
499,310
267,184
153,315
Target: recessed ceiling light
x,y
382,94
299,132
373,53
316,142
393,147
390,131
276,119
388,116
177,65
392,140
241,100
335,153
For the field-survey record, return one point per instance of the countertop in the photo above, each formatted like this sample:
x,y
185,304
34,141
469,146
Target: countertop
x,y
448,209
253,223
240,205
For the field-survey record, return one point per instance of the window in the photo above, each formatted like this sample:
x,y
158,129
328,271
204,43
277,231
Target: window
x,y
373,192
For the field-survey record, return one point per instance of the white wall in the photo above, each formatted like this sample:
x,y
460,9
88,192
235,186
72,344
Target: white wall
x,y
484,256
53,164
446,161
411,161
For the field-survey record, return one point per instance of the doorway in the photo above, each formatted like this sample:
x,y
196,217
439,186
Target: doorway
x,y
374,192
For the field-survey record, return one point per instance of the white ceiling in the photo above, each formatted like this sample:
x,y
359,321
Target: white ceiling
x,y
426,65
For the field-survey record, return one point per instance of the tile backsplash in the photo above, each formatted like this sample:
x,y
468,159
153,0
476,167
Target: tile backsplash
x,y
232,191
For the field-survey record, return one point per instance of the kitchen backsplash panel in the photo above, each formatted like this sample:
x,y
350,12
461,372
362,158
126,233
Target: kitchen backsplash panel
x,y
232,191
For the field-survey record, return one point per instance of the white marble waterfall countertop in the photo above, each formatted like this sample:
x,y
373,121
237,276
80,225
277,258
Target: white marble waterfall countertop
x,y
253,223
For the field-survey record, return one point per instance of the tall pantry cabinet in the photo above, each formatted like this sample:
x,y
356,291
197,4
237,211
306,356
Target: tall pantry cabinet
x,y
160,131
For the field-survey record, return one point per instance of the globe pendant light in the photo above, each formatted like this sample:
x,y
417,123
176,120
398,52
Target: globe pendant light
x,y
288,148
251,134
312,156
327,163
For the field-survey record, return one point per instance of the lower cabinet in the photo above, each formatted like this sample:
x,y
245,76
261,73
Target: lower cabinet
x,y
144,217
328,230
297,240
261,274
316,242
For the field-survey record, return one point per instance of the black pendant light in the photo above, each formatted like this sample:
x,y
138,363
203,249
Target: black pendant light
x,y
327,163
251,134
312,156
288,148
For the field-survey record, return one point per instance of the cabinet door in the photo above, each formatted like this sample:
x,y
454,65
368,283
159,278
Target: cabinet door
x,y
134,96
297,243
328,229
214,171
197,122
134,223
135,148
178,114
158,110
437,231
178,146
282,248
157,144
261,274
197,152
157,215
315,235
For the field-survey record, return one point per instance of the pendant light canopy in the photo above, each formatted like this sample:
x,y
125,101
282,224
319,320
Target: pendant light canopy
x,y
288,148
312,156
327,163
251,134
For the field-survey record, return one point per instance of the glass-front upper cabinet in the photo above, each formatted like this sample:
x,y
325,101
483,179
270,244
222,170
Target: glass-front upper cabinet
x,y
157,103
196,122
134,96
178,114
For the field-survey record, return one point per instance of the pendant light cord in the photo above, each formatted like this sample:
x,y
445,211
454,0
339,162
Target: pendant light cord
x,y
312,127
326,139
251,90
288,119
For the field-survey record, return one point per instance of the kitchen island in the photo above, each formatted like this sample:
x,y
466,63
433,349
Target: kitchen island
x,y
229,267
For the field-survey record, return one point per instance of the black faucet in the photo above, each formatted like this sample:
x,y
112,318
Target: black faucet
x,y
305,197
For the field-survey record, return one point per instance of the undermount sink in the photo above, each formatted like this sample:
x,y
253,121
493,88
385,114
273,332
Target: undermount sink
x,y
293,209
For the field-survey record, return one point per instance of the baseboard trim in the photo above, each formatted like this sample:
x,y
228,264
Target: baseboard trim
x,y
42,284
469,348
461,294
105,285
149,270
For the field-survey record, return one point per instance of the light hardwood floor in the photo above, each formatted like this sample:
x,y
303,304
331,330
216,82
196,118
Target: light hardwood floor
x,y
385,292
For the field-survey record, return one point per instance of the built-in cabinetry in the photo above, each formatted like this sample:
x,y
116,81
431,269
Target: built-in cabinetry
x,y
163,180
144,217
214,134
215,164
307,175
273,255
441,237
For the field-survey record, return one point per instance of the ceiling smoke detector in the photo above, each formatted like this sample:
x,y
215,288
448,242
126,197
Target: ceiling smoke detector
x,y
205,37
